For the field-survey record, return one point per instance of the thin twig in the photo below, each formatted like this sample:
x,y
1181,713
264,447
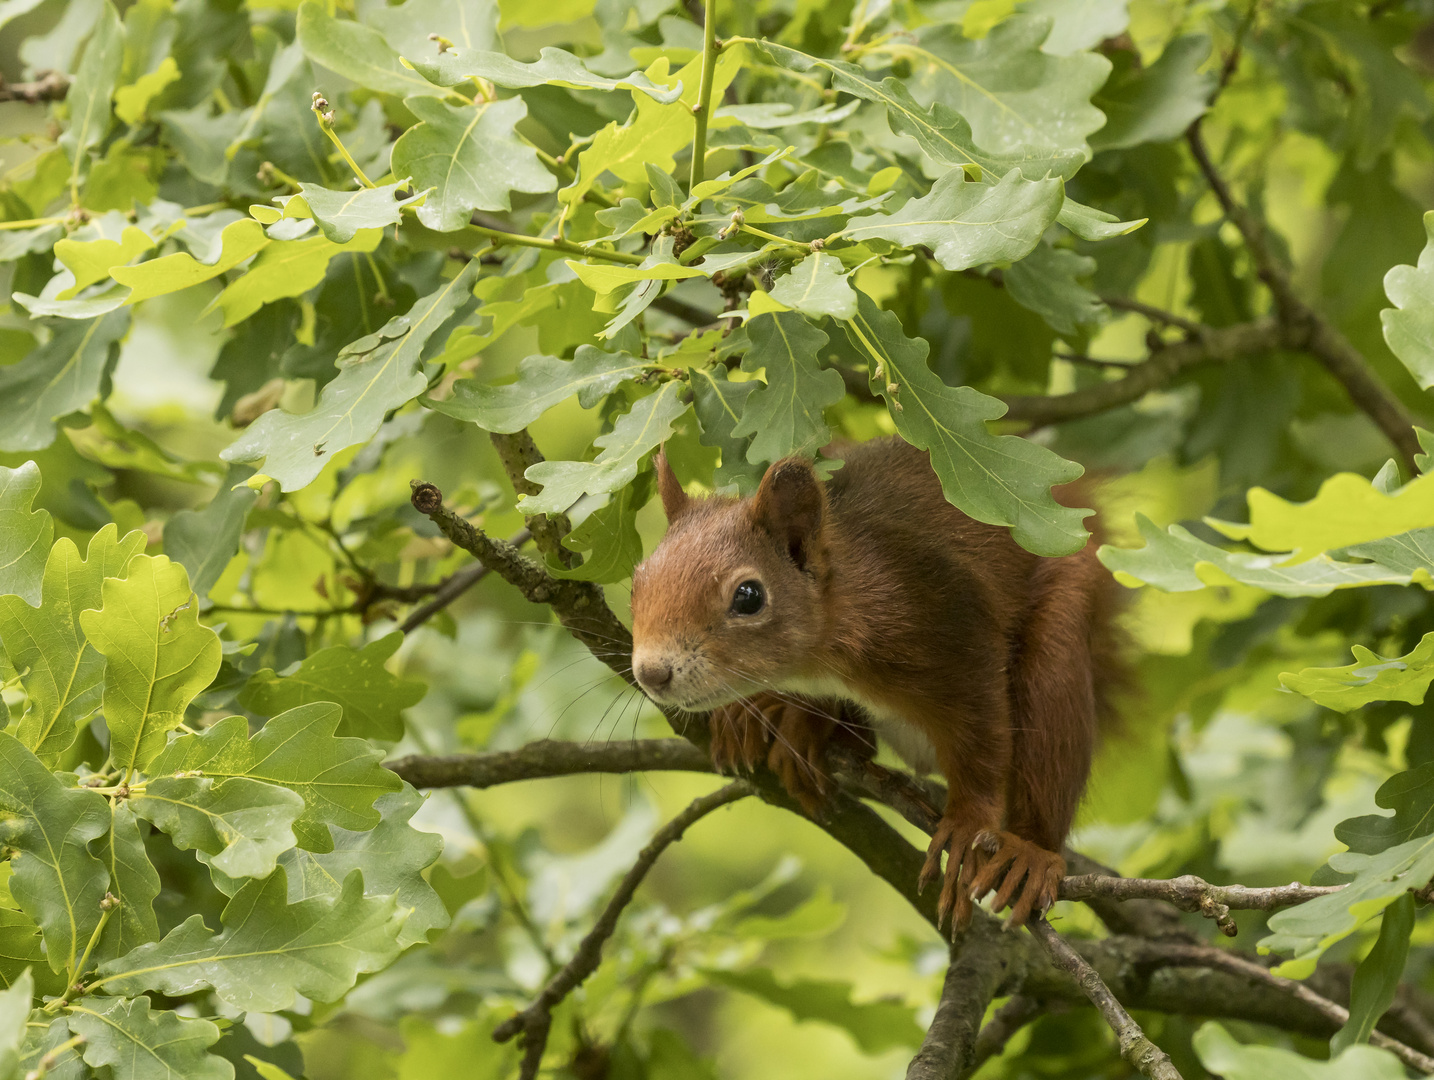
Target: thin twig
x,y
1155,314
702,109
49,86
1305,328
534,1021
1139,1051
549,757
499,237
1190,893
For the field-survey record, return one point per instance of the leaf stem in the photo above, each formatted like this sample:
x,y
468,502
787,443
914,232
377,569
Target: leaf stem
x,y
523,240
30,223
701,110
108,906
325,116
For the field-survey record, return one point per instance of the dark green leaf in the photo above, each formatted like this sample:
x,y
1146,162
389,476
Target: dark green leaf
x,y
785,417
1376,980
137,1044
204,541
355,52
240,826
89,96
341,214
554,67
1156,103
62,376
24,534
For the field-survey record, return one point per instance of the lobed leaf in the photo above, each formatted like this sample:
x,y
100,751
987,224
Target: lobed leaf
x,y
239,826
134,882
62,376
204,540
356,680
137,1044
998,479
966,224
635,435
784,417
356,52
158,656
554,67
378,373
1156,103
337,778
1370,678
1409,325
88,98
269,950
1226,1058
341,214
24,533
816,286
57,881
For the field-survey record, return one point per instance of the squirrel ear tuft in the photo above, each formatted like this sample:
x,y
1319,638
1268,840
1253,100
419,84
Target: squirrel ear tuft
x,y
674,500
791,505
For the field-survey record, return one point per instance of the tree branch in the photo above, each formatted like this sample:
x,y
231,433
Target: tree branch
x,y
1135,1048
979,961
50,86
1210,346
519,453
1304,326
1190,893
549,757
534,1021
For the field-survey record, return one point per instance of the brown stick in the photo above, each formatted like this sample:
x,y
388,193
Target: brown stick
x,y
1139,1051
549,757
1190,893
534,1021
50,86
979,961
1010,1018
519,453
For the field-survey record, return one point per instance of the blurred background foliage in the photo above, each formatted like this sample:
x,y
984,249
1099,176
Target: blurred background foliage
x,y
758,947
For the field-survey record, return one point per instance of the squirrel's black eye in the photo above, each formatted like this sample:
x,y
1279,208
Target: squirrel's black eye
x,y
748,598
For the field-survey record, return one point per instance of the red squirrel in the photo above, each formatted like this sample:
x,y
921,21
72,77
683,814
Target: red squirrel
x,y
976,658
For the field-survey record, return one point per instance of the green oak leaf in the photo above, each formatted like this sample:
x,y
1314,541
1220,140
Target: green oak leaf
x,y
205,540
24,533
1079,24
170,273
378,373
133,881
15,1005
604,278
158,656
1410,794
269,950
967,224
940,130
1308,930
785,417
1409,325
466,24
338,779
637,432
356,52
876,1026
470,157
1175,560
287,268
1376,980
1052,282
341,214
1012,94
91,261
132,101
1370,678
817,286
1407,552
392,856
88,99
54,1038
542,382
22,953
239,826
60,377
719,404
372,698
65,674
655,131
554,67
1226,1058
58,881
608,536
1155,103
138,1044
998,479
1091,224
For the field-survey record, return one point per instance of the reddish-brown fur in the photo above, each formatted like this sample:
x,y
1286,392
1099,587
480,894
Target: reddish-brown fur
x,y
878,591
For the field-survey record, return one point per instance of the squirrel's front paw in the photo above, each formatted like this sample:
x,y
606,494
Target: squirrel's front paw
x,y
740,734
799,755
1024,875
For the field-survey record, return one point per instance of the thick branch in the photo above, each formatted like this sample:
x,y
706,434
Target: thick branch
x,y
1135,1048
534,1021
1313,332
519,453
50,86
979,961
1209,347
549,757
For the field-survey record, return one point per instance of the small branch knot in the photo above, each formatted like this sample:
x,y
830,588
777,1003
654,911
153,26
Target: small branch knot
x,y
426,498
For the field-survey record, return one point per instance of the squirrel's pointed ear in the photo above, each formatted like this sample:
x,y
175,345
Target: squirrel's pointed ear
x,y
791,505
674,500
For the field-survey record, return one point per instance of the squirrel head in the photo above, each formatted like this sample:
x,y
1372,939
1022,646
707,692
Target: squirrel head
x,y
733,598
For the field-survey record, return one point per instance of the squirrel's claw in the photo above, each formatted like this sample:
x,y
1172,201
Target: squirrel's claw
x,y
963,861
1024,875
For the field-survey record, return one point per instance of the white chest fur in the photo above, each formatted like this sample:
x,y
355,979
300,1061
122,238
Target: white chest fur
x,y
903,737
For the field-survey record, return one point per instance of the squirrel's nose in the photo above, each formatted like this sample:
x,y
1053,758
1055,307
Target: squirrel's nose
x,y
653,674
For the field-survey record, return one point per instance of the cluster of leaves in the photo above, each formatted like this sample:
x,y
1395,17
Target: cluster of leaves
x,y
411,224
